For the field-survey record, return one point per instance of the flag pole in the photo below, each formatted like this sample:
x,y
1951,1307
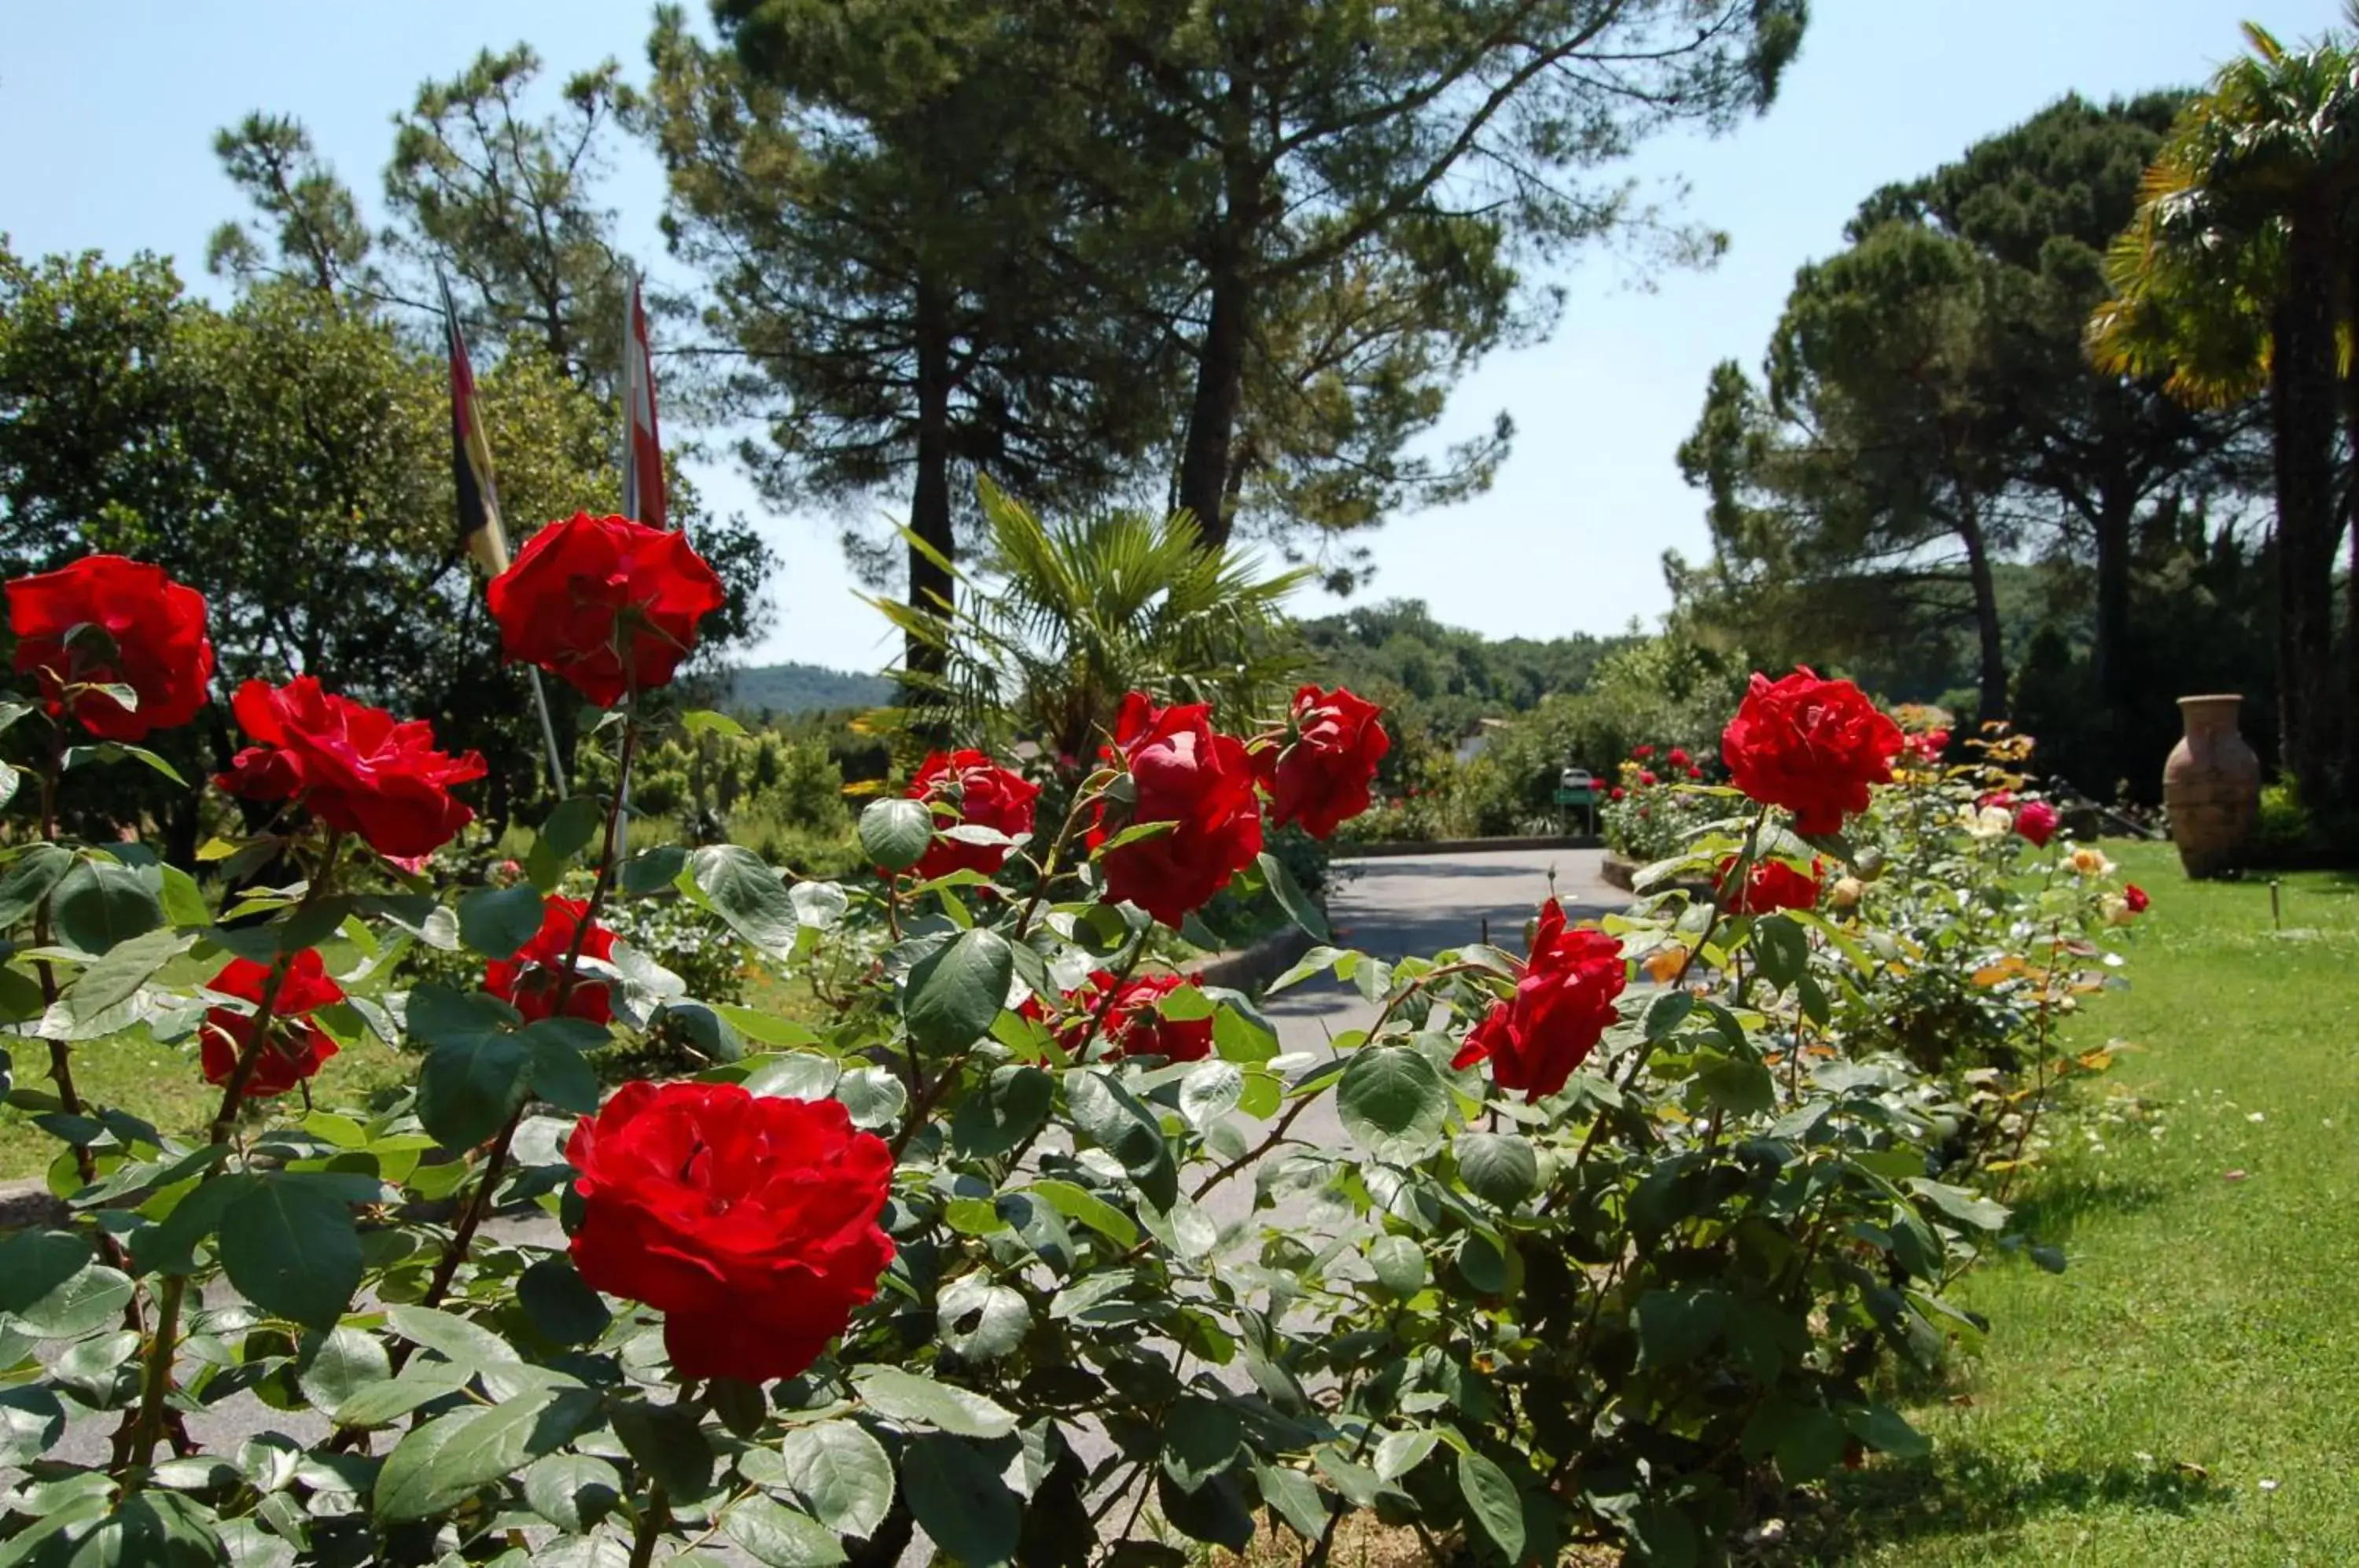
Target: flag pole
x,y
486,541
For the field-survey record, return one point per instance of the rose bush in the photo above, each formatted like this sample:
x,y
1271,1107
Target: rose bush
x,y
1037,1247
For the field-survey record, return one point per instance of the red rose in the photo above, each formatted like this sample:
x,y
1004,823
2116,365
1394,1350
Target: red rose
x,y
2133,898
1321,776
528,981
1134,1025
1770,885
604,603
354,767
2038,820
1811,746
297,1046
1646,778
129,625
1180,772
1563,1005
982,794
750,1223
1616,794
1642,752
1695,772
1676,756
2004,800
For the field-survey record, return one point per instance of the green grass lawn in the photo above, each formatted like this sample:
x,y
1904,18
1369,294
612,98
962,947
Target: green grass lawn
x,y
2187,1392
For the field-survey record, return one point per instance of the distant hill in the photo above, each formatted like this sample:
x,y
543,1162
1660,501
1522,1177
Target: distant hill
x,y
805,688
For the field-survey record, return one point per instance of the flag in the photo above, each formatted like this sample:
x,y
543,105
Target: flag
x,y
480,533
643,470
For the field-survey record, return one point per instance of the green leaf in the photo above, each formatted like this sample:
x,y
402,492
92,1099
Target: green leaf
x,y
184,901
463,1344
744,891
1491,1498
955,991
1885,1431
842,1475
874,1095
1202,1438
1501,1168
35,1262
476,1075
793,1075
1294,1497
149,1529
1136,833
1211,1091
127,966
669,1444
1737,1086
29,879
1400,1264
1402,1452
981,1321
1085,1207
1318,960
960,1501
560,1304
763,1029
332,1368
496,921
1113,1118
896,833
290,1247
1665,1013
1394,1102
442,1463
1293,899
92,1297
116,751
1807,1442
573,1491
98,904
1009,1107
385,1402
1781,947
919,1401
1674,1326
776,1535
653,869
704,720
1970,1209
31,1422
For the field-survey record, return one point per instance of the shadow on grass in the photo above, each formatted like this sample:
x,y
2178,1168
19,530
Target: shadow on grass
x,y
1965,1491
2055,1207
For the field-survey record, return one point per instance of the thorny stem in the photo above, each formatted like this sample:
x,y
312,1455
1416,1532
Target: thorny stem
x,y
652,1521
1048,864
60,1053
148,1425
478,1205
2040,1069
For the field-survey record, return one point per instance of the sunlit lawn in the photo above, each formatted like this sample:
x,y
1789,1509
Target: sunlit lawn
x,y
2188,1392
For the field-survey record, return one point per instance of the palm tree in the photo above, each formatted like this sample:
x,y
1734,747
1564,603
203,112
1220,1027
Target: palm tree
x,y
1061,619
2237,277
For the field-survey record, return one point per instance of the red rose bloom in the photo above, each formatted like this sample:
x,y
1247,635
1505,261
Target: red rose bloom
x,y
1695,772
1562,1007
132,626
983,794
2038,820
1133,1025
1180,772
1676,756
1646,778
1770,885
354,767
750,1223
297,1046
529,980
1321,776
604,603
1811,746
1616,793
2133,898
1642,752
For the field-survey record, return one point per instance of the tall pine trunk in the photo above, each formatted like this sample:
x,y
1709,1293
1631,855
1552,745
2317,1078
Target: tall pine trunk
x,y
923,659
1205,452
2302,389
1989,635
2117,686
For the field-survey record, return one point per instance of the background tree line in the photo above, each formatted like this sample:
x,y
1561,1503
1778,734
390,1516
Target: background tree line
x,y
2064,432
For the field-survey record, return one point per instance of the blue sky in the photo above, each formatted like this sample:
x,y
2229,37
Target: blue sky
x,y
111,109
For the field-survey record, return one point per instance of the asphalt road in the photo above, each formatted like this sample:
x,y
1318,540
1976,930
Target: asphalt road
x,y
1390,908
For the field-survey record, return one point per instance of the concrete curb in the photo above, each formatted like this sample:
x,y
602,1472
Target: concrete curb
x,y
1462,846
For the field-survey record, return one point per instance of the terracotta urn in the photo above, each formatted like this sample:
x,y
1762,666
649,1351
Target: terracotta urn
x,y
2211,786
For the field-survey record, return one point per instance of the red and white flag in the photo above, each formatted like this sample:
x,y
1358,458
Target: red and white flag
x,y
643,470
